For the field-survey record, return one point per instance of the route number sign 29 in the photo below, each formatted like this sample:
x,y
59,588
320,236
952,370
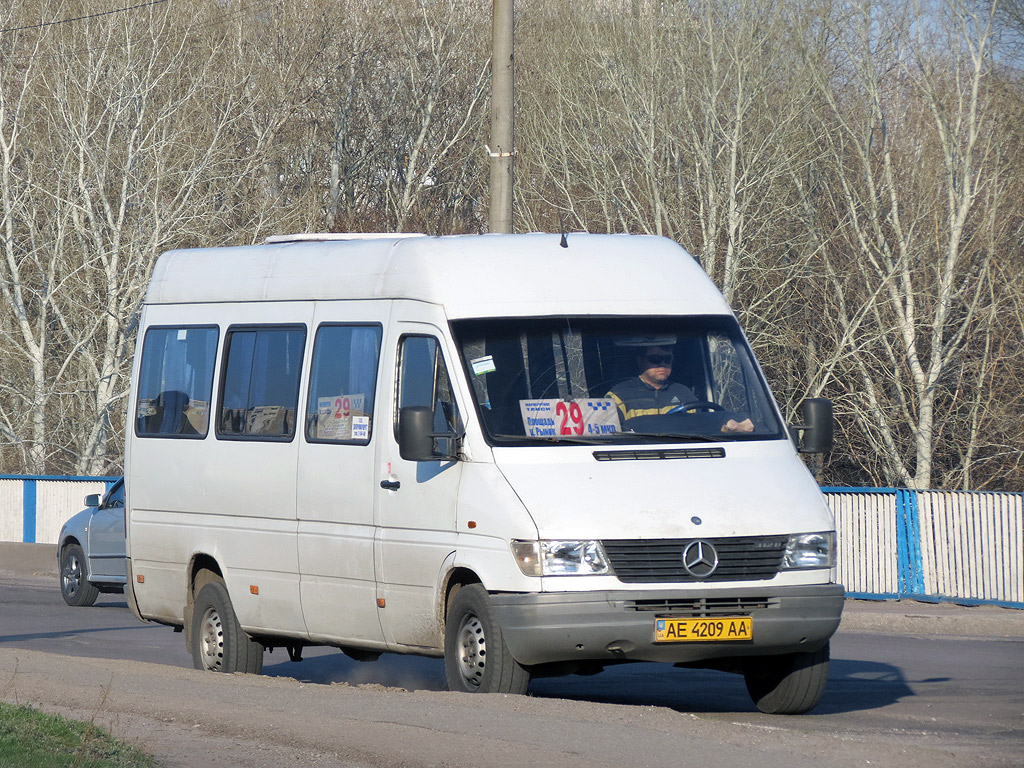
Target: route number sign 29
x,y
582,417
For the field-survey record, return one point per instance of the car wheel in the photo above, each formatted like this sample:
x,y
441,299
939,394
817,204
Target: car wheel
x,y
74,587
218,642
476,659
790,684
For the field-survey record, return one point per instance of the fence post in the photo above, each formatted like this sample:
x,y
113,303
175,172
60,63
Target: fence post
x,y
910,568
28,511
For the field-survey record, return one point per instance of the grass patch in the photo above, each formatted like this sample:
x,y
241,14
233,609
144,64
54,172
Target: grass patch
x,y
32,739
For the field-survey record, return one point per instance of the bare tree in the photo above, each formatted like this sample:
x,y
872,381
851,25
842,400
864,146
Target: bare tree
x,y
129,153
911,144
27,276
848,173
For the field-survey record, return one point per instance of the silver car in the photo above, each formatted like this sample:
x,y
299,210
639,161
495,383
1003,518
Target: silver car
x,y
90,550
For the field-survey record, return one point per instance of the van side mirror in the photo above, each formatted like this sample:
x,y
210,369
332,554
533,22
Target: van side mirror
x,y
92,500
817,427
416,435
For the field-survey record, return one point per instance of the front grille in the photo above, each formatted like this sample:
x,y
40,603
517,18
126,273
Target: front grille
x,y
704,607
749,558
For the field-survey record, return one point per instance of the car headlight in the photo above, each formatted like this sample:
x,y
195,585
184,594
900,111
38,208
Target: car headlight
x,y
560,558
810,550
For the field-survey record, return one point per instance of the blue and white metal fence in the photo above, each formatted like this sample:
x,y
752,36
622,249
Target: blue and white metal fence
x,y
962,546
34,507
928,545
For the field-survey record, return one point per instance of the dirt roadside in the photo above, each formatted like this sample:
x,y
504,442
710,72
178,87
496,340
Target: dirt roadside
x,y
188,718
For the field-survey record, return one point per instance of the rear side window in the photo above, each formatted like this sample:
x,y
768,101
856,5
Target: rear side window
x,y
342,385
260,385
175,381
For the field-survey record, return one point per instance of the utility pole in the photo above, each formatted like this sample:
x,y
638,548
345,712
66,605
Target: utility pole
x,y
501,150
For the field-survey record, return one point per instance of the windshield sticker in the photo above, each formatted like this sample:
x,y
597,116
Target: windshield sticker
x,y
585,417
483,365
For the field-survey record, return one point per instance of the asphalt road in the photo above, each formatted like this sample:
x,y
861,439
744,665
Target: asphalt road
x,y
912,700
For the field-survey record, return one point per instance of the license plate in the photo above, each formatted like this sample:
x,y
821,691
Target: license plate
x,y
706,630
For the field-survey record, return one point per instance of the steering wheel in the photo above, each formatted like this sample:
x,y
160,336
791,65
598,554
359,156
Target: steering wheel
x,y
700,405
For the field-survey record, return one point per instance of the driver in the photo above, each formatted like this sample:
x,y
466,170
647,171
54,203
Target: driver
x,y
651,393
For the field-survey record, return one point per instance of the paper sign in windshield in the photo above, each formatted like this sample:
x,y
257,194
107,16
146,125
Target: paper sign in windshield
x,y
584,417
342,418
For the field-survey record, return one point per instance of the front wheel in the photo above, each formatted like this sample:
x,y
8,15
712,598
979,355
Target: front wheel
x,y
790,684
218,642
476,659
76,590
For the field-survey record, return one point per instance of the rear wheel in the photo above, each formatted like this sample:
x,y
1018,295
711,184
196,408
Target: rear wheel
x,y
476,659
74,587
218,642
790,684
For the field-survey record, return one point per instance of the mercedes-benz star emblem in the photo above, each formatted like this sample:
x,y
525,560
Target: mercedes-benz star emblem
x,y
700,559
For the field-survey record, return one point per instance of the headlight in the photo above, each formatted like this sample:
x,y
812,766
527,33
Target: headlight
x,y
810,550
560,558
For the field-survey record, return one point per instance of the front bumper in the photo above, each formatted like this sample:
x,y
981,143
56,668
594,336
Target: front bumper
x,y
611,626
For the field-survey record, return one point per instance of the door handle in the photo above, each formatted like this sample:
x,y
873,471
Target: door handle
x,y
390,485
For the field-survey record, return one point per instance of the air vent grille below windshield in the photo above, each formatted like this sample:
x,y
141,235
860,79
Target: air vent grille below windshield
x,y
661,453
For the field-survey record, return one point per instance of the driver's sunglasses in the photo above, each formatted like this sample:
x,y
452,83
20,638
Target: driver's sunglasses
x,y
660,359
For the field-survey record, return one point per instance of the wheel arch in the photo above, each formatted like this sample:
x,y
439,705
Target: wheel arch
x,y
202,569
68,541
455,579
71,540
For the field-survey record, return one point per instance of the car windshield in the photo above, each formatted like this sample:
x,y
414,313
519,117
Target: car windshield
x,y
615,380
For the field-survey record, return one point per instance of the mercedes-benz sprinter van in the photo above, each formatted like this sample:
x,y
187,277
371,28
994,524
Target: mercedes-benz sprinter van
x,y
529,454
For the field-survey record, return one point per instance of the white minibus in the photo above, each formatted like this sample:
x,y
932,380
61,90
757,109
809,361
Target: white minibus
x,y
530,454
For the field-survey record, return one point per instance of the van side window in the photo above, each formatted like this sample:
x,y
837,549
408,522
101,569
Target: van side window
x,y
260,386
423,380
175,381
341,388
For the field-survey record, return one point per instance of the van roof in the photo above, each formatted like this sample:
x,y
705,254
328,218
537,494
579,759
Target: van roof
x,y
469,275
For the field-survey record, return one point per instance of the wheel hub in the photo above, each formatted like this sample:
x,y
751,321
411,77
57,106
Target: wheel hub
x,y
211,638
473,651
72,576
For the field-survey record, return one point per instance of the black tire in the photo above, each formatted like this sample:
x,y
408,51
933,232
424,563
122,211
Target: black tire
x,y
74,588
790,684
218,642
476,659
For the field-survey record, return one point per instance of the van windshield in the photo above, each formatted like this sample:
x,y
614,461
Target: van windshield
x,y
615,380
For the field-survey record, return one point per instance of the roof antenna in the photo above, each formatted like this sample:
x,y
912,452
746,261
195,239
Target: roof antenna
x,y
563,242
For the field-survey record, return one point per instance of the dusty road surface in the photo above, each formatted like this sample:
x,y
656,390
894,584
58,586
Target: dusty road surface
x,y
189,718
910,686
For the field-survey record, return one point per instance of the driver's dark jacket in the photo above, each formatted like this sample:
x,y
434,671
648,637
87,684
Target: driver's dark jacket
x,y
635,397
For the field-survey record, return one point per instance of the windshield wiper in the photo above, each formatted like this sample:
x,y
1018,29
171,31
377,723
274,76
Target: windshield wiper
x,y
676,437
553,439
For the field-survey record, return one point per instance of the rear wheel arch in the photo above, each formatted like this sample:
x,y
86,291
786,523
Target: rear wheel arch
x,y
219,643
202,569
